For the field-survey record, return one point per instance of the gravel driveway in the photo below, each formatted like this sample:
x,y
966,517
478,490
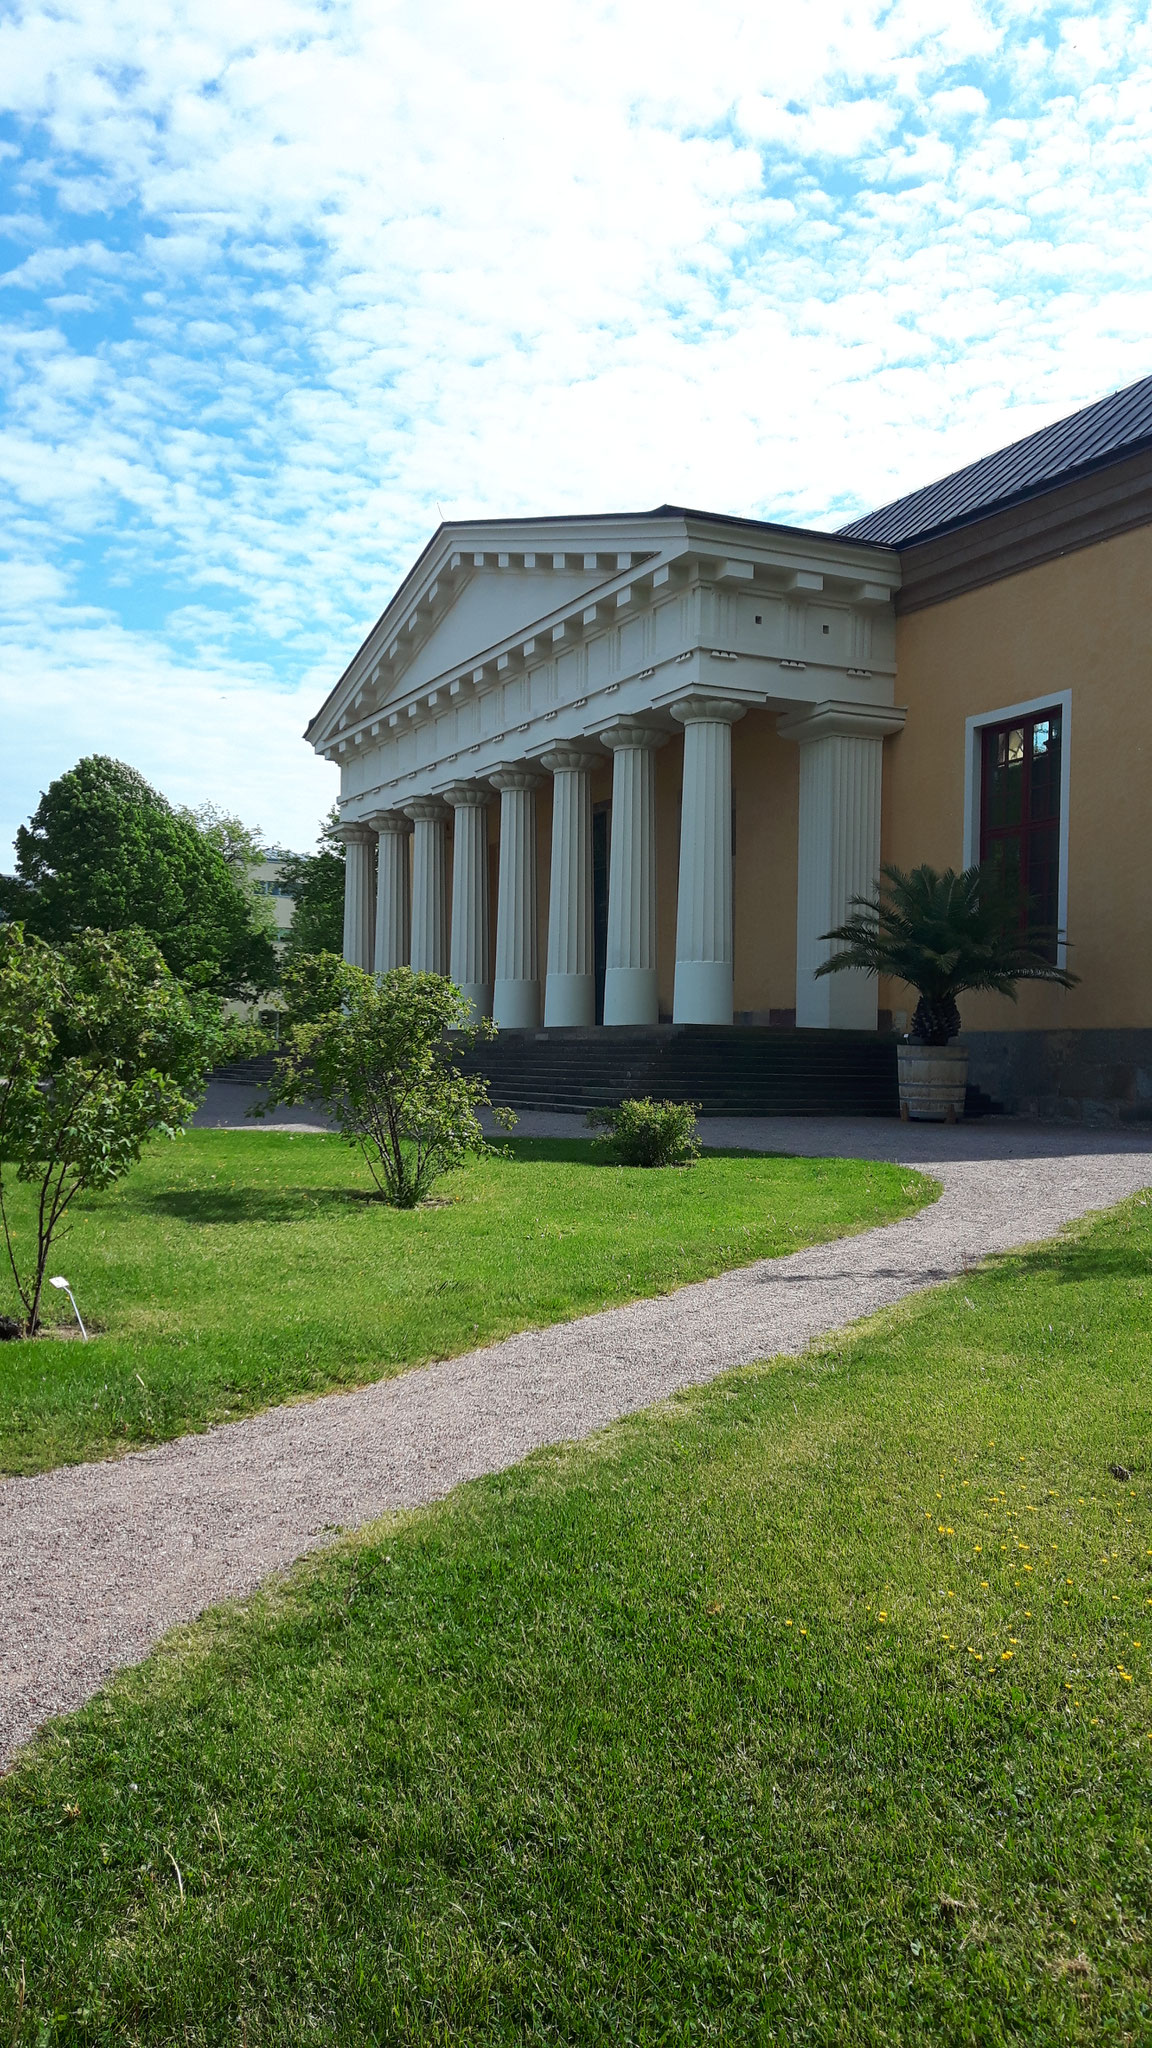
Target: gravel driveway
x,y
98,1561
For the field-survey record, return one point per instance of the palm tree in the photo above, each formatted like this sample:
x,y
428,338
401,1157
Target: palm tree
x,y
944,934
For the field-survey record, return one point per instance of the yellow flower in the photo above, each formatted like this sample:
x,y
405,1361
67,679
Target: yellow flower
x,y
787,1624
1006,1656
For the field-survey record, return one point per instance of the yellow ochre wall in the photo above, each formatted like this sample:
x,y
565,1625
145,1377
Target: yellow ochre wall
x,y
1082,623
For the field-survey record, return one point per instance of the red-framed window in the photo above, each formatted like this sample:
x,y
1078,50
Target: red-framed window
x,y
1020,813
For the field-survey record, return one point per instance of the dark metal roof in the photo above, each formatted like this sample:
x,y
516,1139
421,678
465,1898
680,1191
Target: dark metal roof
x,y
1102,433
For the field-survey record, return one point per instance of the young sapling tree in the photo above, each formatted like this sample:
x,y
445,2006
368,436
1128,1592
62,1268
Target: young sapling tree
x,y
374,1050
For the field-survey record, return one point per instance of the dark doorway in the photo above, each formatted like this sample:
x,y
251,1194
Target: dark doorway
x,y
601,832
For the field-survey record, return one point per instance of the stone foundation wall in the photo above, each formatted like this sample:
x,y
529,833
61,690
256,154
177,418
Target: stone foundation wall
x,y
1090,1077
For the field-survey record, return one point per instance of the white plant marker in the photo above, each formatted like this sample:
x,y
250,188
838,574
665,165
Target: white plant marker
x,y
59,1281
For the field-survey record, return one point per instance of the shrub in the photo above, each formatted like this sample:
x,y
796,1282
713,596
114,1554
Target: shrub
x,y
373,1049
101,1049
646,1133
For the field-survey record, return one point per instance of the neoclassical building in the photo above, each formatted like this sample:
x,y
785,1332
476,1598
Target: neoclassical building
x,y
626,770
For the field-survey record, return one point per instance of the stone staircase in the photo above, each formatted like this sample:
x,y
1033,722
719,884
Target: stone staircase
x,y
744,1070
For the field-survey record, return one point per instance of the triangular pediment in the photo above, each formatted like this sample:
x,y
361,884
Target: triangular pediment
x,y
490,607
474,589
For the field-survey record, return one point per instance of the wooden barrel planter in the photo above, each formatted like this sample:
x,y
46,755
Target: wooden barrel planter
x,y
932,1081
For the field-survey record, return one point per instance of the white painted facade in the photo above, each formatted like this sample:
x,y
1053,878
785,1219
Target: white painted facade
x,y
529,655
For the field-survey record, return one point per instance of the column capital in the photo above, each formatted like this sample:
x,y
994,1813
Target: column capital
x,y
569,761
631,735
698,710
357,834
427,810
835,720
467,796
514,778
389,821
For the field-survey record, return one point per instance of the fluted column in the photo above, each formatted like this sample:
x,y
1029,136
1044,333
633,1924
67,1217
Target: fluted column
x,y
570,988
838,850
469,948
393,889
631,994
516,993
359,893
703,992
429,879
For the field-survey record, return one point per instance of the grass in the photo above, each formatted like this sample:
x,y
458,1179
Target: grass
x,y
232,1270
813,1707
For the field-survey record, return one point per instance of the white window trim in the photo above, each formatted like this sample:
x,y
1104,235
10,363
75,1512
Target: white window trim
x,y
973,728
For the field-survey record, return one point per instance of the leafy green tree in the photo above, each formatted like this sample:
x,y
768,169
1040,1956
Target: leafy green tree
x,y
944,934
243,849
316,883
101,1048
105,851
374,1052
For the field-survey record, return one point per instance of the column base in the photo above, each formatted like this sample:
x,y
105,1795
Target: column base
x,y
631,996
516,1005
479,994
837,1002
570,999
703,992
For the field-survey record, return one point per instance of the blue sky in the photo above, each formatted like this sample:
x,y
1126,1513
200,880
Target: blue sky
x,y
278,280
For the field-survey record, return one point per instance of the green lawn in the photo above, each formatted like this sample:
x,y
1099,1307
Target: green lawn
x,y
235,1269
813,1707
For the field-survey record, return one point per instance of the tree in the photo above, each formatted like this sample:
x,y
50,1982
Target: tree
x,y
242,848
315,881
373,1050
944,934
100,1050
105,851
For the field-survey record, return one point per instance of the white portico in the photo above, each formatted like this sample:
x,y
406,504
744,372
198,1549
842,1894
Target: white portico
x,y
539,744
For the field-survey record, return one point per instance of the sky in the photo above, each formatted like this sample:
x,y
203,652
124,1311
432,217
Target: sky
x,y
282,283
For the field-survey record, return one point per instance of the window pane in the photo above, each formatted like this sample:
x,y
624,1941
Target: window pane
x,y
1045,790
1004,792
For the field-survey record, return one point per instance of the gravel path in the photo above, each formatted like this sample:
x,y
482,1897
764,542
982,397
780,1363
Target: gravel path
x,y
98,1561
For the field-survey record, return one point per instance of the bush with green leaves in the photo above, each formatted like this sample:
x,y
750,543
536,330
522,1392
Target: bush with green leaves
x,y
101,1049
642,1132
374,1050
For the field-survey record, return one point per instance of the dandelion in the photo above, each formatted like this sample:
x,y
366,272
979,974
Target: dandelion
x,y
1006,1656
787,1624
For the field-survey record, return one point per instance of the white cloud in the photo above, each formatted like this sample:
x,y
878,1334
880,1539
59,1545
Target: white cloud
x,y
327,265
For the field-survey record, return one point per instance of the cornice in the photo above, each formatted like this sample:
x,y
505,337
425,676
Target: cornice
x,y
1077,515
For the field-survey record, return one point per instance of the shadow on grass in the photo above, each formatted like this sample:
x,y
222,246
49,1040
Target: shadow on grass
x,y
252,1204
588,1152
